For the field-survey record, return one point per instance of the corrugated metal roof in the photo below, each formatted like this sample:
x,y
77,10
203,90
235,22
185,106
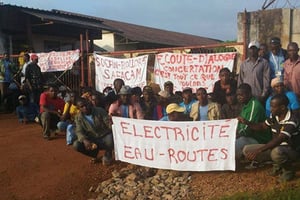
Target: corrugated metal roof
x,y
152,35
68,19
159,36
132,32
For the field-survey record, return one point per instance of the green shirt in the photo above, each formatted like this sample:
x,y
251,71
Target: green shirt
x,y
253,111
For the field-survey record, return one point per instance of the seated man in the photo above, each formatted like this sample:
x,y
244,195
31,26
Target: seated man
x,y
66,123
252,111
203,109
124,107
26,111
176,113
51,108
93,132
188,100
284,148
232,108
279,88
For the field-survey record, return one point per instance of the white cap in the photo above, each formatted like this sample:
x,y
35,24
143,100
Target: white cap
x,y
253,43
62,88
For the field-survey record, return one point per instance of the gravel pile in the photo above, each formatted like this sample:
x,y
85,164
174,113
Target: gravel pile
x,y
140,183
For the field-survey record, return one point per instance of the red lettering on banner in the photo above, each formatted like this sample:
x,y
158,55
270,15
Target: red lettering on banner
x,y
211,155
135,132
178,132
128,152
180,76
124,126
137,153
203,155
225,153
156,129
106,74
188,157
181,155
207,131
223,132
212,130
221,57
207,77
195,129
194,77
162,73
178,58
147,130
202,151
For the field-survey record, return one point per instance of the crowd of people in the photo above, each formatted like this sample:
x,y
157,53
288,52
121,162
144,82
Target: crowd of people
x,y
264,97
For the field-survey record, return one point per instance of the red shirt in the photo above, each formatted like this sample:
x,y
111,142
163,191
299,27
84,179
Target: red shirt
x,y
51,103
292,75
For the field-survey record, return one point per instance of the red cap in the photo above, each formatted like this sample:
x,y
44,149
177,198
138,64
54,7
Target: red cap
x,y
34,57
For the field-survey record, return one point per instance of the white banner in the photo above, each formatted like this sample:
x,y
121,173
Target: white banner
x,y
132,70
191,70
184,146
57,61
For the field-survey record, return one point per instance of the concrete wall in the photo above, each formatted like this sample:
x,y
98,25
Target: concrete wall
x,y
107,42
264,24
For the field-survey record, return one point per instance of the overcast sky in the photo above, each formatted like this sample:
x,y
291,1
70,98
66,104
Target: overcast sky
x,y
212,18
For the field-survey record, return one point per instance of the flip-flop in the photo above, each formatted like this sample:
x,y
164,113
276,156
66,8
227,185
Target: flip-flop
x,y
95,160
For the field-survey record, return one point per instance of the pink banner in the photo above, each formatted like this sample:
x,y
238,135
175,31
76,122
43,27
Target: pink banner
x,y
57,61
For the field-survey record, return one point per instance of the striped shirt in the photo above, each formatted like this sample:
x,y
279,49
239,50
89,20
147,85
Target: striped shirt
x,y
289,126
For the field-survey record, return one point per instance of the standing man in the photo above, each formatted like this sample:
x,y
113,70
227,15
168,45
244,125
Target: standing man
x,y
292,69
276,58
34,79
23,71
255,71
284,148
7,69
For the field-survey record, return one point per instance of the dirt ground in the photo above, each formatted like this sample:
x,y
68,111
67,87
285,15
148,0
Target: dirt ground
x,y
32,168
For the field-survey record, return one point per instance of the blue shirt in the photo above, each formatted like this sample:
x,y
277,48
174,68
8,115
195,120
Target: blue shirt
x,y
203,113
164,118
276,64
188,106
293,102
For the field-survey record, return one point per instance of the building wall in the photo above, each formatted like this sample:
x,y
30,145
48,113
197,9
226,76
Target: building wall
x,y
63,43
107,42
264,24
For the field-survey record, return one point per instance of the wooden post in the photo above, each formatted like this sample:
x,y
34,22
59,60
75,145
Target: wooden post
x,y
245,33
87,58
81,61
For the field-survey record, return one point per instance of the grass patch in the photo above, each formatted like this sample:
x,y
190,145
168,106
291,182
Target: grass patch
x,y
285,191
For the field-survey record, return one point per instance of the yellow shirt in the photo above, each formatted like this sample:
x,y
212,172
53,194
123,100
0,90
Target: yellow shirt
x,y
72,111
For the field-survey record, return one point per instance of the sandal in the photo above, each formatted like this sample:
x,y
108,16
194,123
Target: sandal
x,y
94,160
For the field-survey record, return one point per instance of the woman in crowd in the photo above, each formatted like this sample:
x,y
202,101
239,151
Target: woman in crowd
x,y
226,84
